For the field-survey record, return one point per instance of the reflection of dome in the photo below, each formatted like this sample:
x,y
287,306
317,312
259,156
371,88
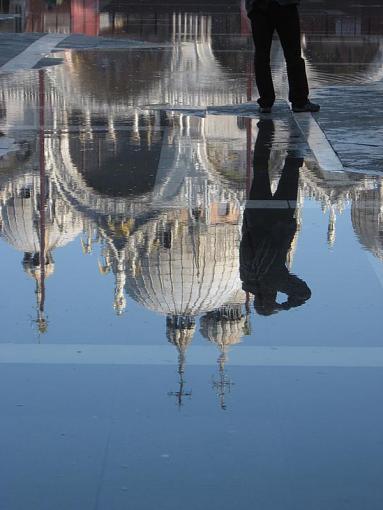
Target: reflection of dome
x,y
35,221
367,220
32,265
142,244
225,326
181,268
20,226
122,164
180,331
97,171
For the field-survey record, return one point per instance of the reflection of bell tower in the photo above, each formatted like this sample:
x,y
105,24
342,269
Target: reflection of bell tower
x,y
180,331
224,327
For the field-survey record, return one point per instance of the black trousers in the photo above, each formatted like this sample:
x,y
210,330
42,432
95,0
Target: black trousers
x,y
284,20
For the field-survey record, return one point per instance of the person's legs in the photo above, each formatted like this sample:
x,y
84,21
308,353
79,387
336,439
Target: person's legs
x,y
289,31
263,28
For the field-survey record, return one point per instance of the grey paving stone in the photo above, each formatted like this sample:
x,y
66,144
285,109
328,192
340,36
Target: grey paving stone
x,y
352,118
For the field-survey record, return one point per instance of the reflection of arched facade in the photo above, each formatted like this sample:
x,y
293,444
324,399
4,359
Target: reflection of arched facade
x,y
334,190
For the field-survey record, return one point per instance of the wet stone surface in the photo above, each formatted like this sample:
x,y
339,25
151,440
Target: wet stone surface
x,y
353,124
191,291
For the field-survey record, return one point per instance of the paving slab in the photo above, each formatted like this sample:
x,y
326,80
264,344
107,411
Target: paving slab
x,y
12,45
352,118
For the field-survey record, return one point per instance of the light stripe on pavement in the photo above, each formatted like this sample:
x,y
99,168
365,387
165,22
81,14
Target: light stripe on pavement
x,y
252,356
327,158
28,58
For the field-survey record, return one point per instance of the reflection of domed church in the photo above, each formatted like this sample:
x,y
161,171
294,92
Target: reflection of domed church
x,y
123,167
171,236
170,239
158,189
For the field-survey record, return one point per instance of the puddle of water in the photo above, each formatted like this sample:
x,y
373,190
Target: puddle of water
x,y
140,217
176,287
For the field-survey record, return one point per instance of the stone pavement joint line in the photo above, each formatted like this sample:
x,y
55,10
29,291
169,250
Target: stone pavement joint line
x,y
267,356
28,58
320,146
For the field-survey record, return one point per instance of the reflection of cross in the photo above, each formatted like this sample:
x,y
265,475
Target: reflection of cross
x,y
224,383
181,393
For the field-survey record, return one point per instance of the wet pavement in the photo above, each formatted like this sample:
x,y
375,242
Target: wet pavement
x,y
191,291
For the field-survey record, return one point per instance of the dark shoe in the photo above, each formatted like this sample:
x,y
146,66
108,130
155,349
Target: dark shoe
x,y
308,107
265,109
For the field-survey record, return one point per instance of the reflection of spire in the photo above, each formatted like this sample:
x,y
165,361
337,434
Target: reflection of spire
x,y
223,384
224,327
39,268
40,297
180,331
331,232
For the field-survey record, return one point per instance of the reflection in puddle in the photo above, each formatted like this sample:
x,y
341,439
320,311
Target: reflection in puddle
x,y
172,239
159,199
157,260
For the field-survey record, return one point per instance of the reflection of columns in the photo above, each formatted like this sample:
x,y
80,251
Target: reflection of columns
x,y
119,295
35,16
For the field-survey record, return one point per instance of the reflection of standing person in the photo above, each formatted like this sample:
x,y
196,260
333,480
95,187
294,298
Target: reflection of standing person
x,y
266,16
269,227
